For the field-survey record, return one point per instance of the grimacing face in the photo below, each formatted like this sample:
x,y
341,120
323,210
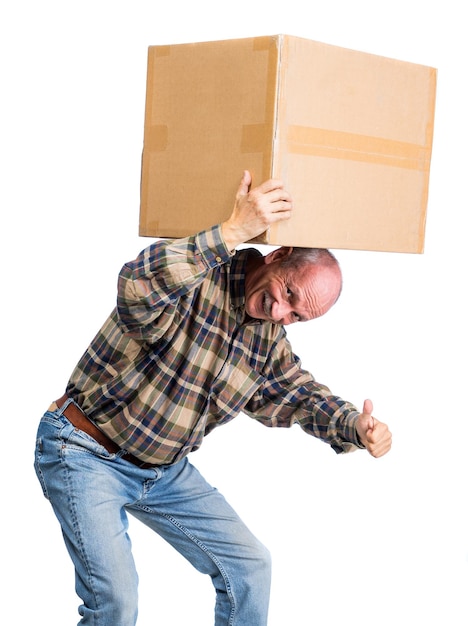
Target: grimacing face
x,y
285,295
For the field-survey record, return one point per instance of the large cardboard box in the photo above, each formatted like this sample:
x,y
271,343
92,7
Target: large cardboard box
x,y
349,133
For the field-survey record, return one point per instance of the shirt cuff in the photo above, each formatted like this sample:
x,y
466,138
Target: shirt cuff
x,y
211,246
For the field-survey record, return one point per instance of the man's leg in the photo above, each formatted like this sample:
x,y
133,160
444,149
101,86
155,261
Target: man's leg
x,y
196,520
88,498
91,490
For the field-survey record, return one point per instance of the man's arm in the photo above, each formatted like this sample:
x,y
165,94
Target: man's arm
x,y
290,395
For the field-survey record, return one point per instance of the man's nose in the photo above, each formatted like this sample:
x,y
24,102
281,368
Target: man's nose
x,y
280,312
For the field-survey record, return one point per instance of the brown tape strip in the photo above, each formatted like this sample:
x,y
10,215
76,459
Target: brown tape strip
x,y
161,51
258,138
341,145
156,138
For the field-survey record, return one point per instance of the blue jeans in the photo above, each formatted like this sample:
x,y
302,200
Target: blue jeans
x,y
91,492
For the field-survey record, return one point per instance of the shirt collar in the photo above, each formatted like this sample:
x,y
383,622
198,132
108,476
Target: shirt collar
x,y
237,277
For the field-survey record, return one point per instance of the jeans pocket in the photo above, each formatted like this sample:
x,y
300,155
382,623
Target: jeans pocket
x,y
76,440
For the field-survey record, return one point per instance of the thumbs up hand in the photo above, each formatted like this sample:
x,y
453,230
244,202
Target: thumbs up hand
x,y
374,435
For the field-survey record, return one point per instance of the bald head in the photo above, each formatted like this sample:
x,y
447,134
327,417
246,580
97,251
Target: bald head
x,y
292,284
319,259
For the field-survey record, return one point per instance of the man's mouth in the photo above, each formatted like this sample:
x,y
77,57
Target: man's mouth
x,y
266,305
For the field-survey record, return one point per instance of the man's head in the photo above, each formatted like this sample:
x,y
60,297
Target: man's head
x,y
292,285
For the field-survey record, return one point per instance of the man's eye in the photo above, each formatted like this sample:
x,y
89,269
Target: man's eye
x,y
288,291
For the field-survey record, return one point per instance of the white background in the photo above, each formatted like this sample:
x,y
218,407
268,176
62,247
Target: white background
x,y
354,540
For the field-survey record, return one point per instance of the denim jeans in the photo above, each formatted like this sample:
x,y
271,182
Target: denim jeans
x,y
92,491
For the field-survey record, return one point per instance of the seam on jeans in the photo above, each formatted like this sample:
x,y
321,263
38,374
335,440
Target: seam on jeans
x,y
205,549
38,467
76,531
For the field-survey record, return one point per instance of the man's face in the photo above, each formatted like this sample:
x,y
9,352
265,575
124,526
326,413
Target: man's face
x,y
284,295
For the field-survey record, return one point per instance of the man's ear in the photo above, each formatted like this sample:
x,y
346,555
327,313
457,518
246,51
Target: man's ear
x,y
278,254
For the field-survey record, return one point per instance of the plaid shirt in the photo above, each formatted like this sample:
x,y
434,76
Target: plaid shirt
x,y
178,357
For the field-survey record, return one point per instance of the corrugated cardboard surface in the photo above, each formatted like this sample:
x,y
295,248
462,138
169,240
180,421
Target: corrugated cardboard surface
x,y
349,133
209,115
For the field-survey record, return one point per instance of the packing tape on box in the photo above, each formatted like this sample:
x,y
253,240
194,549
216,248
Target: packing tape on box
x,y
156,138
342,145
339,145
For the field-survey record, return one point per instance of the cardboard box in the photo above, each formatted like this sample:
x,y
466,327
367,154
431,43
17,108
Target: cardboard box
x,y
349,133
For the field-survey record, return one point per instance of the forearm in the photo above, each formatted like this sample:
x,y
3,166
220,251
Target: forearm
x,y
290,395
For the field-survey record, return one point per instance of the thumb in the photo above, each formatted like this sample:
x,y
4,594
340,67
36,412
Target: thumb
x,y
367,414
245,182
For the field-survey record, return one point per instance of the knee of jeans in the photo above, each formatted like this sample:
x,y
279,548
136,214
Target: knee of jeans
x,y
264,560
256,569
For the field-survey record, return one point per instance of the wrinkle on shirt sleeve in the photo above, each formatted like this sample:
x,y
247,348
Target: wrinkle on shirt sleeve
x,y
291,395
150,287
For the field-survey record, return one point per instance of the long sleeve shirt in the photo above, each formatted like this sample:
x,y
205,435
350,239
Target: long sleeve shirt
x,y
178,356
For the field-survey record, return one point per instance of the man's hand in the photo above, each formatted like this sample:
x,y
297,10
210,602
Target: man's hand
x,y
372,433
255,209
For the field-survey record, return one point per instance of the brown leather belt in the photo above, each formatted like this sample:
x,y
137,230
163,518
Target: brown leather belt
x,y
79,420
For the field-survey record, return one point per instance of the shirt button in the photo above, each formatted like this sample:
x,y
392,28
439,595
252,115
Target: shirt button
x,y
218,259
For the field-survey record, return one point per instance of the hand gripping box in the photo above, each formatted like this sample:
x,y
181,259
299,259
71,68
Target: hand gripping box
x,y
349,133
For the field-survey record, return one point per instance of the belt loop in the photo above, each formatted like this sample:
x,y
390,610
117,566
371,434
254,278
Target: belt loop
x,y
67,402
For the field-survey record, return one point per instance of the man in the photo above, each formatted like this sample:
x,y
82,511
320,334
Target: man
x,y
197,336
